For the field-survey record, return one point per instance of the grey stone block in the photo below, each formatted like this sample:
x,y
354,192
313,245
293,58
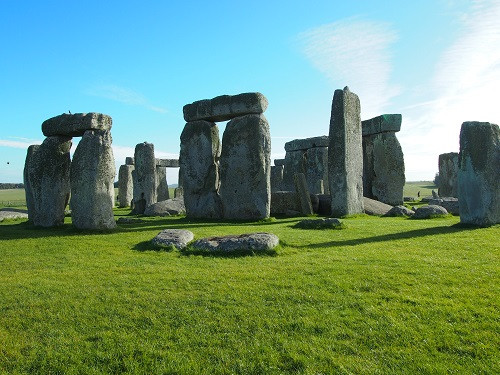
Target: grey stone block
x,y
125,185
306,143
382,124
448,172
144,177
317,170
169,163
75,125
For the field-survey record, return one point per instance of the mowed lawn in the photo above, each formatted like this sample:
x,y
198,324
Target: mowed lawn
x,y
384,295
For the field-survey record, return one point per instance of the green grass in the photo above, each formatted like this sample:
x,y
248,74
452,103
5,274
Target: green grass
x,y
425,187
384,295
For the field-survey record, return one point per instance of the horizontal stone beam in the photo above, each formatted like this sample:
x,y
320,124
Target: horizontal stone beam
x,y
225,107
279,162
307,143
169,163
75,125
381,124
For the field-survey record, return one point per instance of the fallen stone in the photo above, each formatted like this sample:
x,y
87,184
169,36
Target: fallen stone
x,y
307,143
179,238
345,154
92,182
373,207
399,211
478,177
242,242
225,107
382,124
429,212
451,204
245,165
10,213
326,223
75,125
448,172
167,207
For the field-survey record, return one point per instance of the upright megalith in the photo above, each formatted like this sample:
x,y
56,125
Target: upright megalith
x,y
162,193
144,177
245,164
478,173
47,174
125,185
345,154
448,170
199,169
383,159
92,182
276,177
317,170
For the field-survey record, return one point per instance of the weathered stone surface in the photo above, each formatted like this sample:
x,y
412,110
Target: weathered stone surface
x,y
167,207
451,204
245,166
307,143
129,160
225,107
169,163
129,220
283,201
399,211
383,168
429,212
478,173
28,189
75,125
279,162
448,170
345,154
92,182
317,170
409,199
178,238
178,193
161,184
199,160
276,177
9,213
144,176
125,185
381,124
242,242
47,181
326,223
295,162
303,192
374,207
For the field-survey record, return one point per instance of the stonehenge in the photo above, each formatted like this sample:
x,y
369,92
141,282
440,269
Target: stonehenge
x,y
478,167
125,185
51,176
448,171
231,180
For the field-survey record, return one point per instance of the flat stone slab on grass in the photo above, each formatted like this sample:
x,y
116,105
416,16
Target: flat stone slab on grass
x,y
167,207
326,223
179,238
374,207
225,107
129,220
75,125
399,211
259,241
450,203
13,213
429,212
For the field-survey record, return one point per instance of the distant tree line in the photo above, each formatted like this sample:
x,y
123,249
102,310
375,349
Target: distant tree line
x,y
9,185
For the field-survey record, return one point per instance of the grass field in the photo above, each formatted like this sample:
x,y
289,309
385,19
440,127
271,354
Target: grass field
x,y
384,295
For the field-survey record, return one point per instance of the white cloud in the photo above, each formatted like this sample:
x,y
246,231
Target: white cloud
x,y
123,95
19,144
463,88
354,53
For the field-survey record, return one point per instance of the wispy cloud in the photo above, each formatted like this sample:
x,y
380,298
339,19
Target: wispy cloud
x,y
464,87
356,53
123,95
19,144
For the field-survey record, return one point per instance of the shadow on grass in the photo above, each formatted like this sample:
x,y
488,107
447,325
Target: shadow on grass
x,y
188,251
148,246
434,231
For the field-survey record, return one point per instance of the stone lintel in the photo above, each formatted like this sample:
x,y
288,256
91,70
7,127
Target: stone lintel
x,y
381,124
169,163
75,125
307,143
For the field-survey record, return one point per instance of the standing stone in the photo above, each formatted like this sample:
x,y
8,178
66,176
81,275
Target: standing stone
x,y
383,168
92,182
345,155
125,185
144,176
317,170
199,173
245,168
28,189
305,199
47,171
448,170
129,160
162,186
295,162
276,177
478,173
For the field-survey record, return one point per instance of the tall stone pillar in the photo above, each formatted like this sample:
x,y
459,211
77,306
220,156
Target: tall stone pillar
x,y
448,170
162,185
144,177
345,154
28,189
125,185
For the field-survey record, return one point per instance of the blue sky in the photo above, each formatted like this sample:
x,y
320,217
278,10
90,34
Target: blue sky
x,y
437,62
